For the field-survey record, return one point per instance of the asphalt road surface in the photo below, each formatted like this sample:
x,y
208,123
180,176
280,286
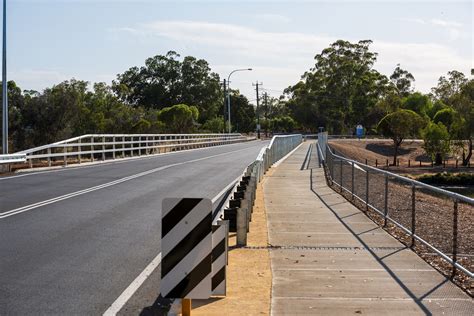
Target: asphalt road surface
x,y
72,240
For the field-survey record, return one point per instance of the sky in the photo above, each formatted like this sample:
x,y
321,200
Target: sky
x,y
50,41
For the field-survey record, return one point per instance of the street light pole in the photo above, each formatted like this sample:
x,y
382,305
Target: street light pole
x,y
4,83
228,96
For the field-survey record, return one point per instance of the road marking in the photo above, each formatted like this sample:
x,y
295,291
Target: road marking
x,y
113,162
105,185
133,287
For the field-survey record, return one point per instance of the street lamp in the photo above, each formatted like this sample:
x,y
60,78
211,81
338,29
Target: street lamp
x,y
228,94
4,83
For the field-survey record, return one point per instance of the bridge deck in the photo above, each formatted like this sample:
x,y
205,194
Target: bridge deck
x,y
329,258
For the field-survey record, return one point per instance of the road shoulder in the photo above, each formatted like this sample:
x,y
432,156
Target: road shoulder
x,y
249,278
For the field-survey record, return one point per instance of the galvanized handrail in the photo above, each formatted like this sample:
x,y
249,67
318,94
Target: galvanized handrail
x,y
91,145
322,139
279,146
12,158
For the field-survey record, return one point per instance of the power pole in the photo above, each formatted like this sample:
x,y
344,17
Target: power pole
x,y
225,101
258,112
265,96
4,82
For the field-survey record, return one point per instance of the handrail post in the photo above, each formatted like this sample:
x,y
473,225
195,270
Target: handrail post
x,y
65,156
92,149
352,180
49,157
148,151
113,147
385,210
79,149
367,189
123,146
139,145
332,169
103,148
455,237
413,215
340,176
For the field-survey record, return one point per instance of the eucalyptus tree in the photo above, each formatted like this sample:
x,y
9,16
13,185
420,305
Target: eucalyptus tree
x,y
167,80
340,90
403,81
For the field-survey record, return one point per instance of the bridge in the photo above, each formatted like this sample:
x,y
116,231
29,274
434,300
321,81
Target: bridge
x,y
81,226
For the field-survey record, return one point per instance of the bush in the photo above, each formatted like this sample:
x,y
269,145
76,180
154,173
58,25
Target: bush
x,y
436,141
447,178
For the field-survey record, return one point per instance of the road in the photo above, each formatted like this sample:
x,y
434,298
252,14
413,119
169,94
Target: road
x,y
72,240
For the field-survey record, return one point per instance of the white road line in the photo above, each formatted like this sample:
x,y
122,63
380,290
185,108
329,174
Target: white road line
x,y
133,287
111,162
105,185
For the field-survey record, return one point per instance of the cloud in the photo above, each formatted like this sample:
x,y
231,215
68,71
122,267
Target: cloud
x,y
414,20
37,79
452,29
273,18
293,52
234,39
445,23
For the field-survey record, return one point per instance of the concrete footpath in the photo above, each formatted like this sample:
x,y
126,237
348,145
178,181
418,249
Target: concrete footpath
x,y
328,258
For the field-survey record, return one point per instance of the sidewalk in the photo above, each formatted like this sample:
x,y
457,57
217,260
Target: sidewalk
x,y
328,258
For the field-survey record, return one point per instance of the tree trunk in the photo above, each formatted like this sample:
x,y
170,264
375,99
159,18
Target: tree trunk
x,y
466,159
395,154
438,159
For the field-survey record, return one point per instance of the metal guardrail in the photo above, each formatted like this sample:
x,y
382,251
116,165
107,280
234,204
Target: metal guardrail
x,y
408,204
12,158
102,146
242,192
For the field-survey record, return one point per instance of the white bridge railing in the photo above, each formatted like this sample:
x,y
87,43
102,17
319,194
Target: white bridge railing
x,y
111,146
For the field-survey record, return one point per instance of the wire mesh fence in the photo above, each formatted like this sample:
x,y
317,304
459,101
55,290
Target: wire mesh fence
x,y
435,222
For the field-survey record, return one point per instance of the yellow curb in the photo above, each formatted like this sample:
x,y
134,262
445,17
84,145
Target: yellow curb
x,y
249,278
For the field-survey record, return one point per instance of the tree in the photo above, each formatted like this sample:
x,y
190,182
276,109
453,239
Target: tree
x,y
340,90
398,126
448,88
418,103
16,104
51,115
284,124
179,118
402,80
463,126
438,105
390,103
165,80
436,141
214,125
446,116
242,113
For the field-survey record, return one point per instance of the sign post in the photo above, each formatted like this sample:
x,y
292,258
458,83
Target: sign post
x,y
359,131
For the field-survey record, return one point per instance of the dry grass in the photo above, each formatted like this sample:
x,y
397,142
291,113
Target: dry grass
x,y
380,153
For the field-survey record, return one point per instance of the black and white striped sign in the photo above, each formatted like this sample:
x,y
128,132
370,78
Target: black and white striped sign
x,y
186,247
219,257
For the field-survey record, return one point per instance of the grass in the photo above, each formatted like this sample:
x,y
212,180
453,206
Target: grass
x,y
445,178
